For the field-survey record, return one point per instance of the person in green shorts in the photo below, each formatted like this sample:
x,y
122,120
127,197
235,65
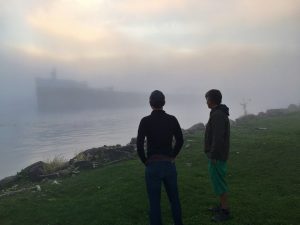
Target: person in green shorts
x,y
216,147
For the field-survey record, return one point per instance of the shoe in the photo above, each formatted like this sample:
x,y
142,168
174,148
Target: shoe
x,y
221,216
215,209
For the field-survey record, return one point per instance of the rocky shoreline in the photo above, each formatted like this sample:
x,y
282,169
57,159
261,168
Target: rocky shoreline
x,y
88,159
105,155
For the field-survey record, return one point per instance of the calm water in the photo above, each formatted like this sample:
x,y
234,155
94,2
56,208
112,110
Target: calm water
x,y
27,136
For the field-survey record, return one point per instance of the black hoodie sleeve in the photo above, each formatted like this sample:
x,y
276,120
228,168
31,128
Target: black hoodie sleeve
x,y
218,132
140,141
178,138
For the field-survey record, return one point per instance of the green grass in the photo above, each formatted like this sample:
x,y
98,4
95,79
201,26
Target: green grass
x,y
263,176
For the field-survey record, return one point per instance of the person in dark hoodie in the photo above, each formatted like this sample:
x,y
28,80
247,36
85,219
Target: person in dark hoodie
x,y
159,128
216,147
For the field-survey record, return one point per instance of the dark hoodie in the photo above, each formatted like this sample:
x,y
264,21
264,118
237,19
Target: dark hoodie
x,y
217,133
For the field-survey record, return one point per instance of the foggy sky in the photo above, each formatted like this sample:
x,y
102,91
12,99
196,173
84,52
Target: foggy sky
x,y
246,48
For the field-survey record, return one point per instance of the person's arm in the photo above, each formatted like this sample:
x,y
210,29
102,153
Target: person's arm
x,y
140,141
178,139
218,131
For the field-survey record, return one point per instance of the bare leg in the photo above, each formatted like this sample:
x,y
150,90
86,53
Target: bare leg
x,y
224,213
224,201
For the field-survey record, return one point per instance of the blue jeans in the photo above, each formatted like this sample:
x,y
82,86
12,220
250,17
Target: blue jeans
x,y
157,173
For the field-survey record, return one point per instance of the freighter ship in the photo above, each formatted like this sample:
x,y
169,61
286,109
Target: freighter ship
x,y
55,94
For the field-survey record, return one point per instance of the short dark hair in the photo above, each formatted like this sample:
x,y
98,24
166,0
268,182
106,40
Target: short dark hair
x,y
157,99
214,95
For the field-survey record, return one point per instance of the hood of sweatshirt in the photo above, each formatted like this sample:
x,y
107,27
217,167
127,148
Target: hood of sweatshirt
x,y
221,107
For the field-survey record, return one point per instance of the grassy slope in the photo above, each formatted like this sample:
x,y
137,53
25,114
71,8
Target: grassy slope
x,y
263,177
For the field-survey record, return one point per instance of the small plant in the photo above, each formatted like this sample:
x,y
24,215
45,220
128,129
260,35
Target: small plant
x,y
57,163
81,157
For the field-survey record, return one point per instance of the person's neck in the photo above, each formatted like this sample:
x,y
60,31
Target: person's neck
x,y
213,107
157,109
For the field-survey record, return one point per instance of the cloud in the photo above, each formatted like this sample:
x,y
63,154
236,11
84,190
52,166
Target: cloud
x,y
73,29
267,11
58,25
149,7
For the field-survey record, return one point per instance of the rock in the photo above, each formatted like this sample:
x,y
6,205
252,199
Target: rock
x,y
61,173
55,182
95,164
261,128
293,108
35,171
132,141
261,114
187,145
7,181
103,155
275,112
50,176
195,128
232,123
38,188
83,164
245,118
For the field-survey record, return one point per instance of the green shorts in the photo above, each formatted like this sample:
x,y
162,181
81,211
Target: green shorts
x,y
217,173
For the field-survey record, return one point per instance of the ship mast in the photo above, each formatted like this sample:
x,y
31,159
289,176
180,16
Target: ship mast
x,y
53,74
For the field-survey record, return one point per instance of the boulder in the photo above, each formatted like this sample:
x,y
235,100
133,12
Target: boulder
x,y
8,181
35,171
195,128
132,141
83,164
103,155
